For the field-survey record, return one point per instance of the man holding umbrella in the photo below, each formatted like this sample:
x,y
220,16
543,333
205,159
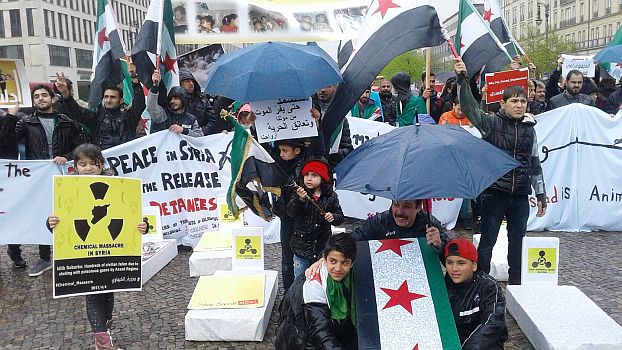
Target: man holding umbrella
x,y
513,132
404,220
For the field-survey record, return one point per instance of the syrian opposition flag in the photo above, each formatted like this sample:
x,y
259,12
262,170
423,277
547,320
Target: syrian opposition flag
x,y
492,16
108,49
614,68
401,299
253,174
156,36
390,28
476,43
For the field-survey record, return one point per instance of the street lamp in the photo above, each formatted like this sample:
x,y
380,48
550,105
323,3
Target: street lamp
x,y
546,19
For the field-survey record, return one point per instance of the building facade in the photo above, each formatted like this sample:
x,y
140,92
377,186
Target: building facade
x,y
589,23
53,36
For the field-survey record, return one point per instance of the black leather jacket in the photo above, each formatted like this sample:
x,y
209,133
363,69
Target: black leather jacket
x,y
65,137
479,311
110,127
383,226
309,326
311,230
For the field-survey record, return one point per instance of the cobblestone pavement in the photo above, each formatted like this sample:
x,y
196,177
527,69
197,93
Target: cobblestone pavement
x,y
154,318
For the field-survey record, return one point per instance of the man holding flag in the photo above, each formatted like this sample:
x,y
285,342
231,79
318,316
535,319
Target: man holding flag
x,y
513,132
111,124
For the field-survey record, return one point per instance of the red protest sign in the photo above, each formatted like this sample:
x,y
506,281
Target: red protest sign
x,y
497,82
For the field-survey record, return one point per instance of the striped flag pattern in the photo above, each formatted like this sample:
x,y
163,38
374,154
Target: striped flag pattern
x,y
401,300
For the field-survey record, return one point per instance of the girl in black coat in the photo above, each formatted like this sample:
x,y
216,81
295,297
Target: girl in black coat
x,y
312,225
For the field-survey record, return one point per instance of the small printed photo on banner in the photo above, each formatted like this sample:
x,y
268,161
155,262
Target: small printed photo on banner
x,y
213,17
180,17
200,62
350,19
313,22
264,21
14,86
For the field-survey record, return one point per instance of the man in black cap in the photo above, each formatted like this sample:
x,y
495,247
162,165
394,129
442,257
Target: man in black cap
x,y
175,116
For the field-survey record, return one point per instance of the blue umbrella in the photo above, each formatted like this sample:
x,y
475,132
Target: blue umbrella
x,y
611,53
272,70
425,161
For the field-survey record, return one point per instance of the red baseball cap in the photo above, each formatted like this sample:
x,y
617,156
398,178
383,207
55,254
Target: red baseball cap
x,y
462,248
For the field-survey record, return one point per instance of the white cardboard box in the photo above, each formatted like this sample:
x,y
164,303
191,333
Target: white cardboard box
x,y
233,324
208,262
561,317
160,254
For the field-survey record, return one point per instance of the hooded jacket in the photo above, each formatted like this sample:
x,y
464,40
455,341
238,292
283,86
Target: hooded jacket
x,y
162,118
201,107
407,105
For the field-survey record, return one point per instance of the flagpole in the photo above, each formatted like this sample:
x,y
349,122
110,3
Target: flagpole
x,y
159,42
116,24
427,77
228,115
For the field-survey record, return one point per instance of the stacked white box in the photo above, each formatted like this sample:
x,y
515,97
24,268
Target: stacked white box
x,y
233,324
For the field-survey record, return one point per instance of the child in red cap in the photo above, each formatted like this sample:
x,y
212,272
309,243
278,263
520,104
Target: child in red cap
x,y
311,226
477,301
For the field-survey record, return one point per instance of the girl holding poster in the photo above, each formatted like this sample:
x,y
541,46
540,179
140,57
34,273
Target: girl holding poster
x,y
89,160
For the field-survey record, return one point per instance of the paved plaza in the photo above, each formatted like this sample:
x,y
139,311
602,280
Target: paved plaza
x,y
154,318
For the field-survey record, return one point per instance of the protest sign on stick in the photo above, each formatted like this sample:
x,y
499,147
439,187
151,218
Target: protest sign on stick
x,y
283,119
497,82
584,64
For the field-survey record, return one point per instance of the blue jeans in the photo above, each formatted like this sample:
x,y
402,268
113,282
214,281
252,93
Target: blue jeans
x,y
494,205
287,257
300,265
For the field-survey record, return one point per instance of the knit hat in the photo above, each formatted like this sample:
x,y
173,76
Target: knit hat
x,y
319,167
462,248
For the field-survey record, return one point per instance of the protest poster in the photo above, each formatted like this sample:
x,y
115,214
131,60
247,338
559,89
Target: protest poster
x,y
283,119
14,84
151,216
497,82
540,261
242,292
26,200
248,249
97,246
584,64
182,177
215,240
249,21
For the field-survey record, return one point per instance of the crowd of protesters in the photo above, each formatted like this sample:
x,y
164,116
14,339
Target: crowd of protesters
x,y
58,123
